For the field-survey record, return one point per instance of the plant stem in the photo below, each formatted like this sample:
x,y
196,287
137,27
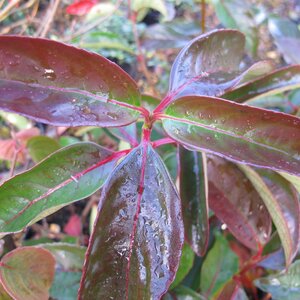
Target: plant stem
x,y
203,15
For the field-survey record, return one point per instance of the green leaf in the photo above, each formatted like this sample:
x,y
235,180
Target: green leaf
x,y
27,273
238,14
194,198
3,294
232,291
218,267
40,147
282,202
184,293
287,38
185,265
235,202
286,78
69,257
65,285
64,85
68,175
295,180
285,285
136,245
238,132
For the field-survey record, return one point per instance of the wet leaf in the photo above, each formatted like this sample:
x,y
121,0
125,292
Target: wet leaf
x,y
218,267
27,273
185,265
282,285
286,78
282,202
126,133
68,175
40,147
287,38
193,194
235,201
64,86
238,132
69,257
65,285
210,65
238,14
136,244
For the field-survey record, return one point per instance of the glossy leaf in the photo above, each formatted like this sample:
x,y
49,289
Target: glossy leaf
x,y
282,202
295,180
209,65
64,86
284,285
40,147
287,38
194,197
184,293
238,14
65,285
27,273
281,80
185,265
68,175
235,201
127,133
218,267
136,245
69,257
238,132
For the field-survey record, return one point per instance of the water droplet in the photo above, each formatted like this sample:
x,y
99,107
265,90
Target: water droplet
x,y
49,74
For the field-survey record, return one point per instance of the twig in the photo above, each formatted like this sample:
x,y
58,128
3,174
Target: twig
x,y
203,15
7,10
49,19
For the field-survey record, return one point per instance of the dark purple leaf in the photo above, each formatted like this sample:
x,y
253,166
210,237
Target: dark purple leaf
x,y
62,85
193,194
136,245
210,65
235,201
282,202
238,132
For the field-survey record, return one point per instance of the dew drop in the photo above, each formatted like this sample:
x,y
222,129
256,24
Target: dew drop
x,y
49,74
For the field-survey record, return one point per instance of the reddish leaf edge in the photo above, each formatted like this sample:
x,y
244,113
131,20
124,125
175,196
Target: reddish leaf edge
x,y
75,177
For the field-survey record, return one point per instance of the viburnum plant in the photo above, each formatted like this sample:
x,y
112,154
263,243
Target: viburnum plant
x,y
143,219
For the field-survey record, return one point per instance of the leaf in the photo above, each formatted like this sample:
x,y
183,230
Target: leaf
x,y
64,85
282,285
68,175
282,202
73,226
184,293
232,291
9,147
136,245
127,133
295,180
286,78
81,7
185,265
193,194
3,294
218,267
149,102
65,285
235,201
159,5
27,273
238,132
238,14
69,257
287,38
210,65
40,147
